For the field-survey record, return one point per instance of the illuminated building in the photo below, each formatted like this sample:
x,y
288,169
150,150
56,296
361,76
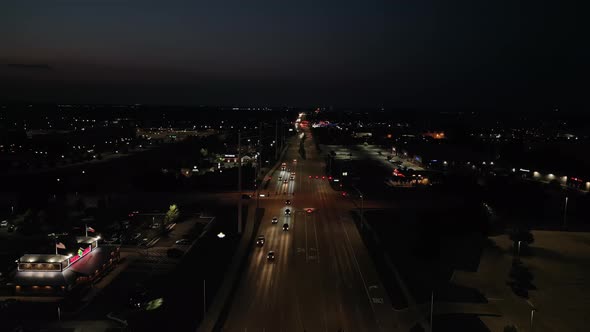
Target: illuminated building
x,y
50,274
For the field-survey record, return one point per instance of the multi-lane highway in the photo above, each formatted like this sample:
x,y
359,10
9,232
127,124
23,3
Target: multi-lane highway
x,y
322,278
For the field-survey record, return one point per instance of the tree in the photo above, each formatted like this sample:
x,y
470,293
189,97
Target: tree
x,y
204,152
171,215
523,234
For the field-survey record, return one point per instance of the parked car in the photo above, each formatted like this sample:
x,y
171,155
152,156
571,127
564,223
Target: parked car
x,y
270,256
4,223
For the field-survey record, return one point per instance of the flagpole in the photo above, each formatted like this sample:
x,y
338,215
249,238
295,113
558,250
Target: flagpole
x,y
86,229
55,246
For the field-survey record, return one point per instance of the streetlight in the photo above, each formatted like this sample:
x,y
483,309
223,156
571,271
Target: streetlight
x,y
362,203
221,235
565,213
240,178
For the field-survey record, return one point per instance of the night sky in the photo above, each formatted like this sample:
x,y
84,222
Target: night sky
x,y
418,54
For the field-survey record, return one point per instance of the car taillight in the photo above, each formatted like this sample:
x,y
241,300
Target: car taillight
x,y
323,177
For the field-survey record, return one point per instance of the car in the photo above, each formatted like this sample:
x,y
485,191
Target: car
x,y
275,220
280,178
138,298
285,181
317,176
183,242
260,240
288,202
309,210
287,212
292,178
285,227
4,223
155,225
270,256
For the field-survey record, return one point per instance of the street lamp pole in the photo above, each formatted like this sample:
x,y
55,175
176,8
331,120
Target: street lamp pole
x,y
240,178
240,182
565,213
204,298
532,318
431,310
258,183
277,139
362,206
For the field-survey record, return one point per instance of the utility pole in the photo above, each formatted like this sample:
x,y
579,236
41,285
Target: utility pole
x,y
239,182
431,310
204,299
282,135
362,203
565,213
276,139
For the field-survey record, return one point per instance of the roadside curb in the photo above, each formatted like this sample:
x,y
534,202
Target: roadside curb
x,y
213,317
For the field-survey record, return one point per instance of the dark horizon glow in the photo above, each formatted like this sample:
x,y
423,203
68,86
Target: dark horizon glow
x,y
382,53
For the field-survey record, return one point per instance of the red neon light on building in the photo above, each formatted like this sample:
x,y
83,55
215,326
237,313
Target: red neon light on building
x,y
75,258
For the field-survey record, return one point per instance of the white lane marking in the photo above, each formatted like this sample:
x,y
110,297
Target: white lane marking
x,y
306,248
317,243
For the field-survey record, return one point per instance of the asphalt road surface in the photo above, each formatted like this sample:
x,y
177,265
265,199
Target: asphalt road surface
x,y
322,278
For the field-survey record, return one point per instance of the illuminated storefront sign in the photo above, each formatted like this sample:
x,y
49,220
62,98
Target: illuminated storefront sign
x,y
81,253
